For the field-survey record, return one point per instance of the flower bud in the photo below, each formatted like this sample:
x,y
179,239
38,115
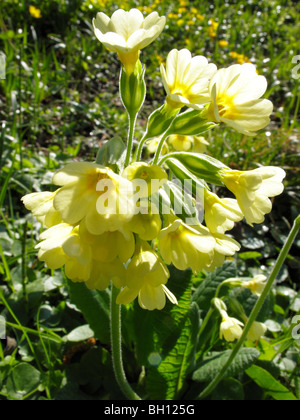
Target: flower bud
x,y
133,89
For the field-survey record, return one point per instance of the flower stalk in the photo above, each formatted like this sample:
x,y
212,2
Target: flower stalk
x,y
281,258
116,347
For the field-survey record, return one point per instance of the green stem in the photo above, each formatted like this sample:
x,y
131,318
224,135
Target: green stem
x,y
132,121
116,345
281,258
140,147
159,148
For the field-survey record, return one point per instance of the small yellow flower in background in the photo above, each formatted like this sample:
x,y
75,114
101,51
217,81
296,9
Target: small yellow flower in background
x,y
180,22
126,33
220,213
236,99
93,193
196,144
181,143
186,79
153,144
231,328
200,144
212,29
252,190
257,331
240,58
36,13
223,43
146,276
256,285
186,246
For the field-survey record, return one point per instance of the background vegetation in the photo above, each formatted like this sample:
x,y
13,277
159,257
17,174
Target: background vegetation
x,y
59,102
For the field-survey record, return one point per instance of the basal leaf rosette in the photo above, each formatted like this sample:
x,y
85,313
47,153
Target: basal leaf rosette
x,y
126,33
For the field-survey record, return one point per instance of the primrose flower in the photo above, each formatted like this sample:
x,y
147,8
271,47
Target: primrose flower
x,y
126,33
230,328
225,246
41,206
186,246
256,285
94,193
61,245
86,259
147,178
183,143
147,223
235,99
257,331
146,276
253,189
186,79
220,213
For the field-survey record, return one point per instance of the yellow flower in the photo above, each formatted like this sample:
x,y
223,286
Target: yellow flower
x,y
230,328
61,245
253,189
220,213
223,43
147,223
256,285
126,33
41,206
235,94
36,13
147,178
153,144
94,193
225,246
200,144
146,276
109,245
104,272
257,331
179,142
186,79
186,246
73,248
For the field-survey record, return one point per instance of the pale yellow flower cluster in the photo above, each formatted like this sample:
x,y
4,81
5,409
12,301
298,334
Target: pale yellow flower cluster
x,y
102,226
94,227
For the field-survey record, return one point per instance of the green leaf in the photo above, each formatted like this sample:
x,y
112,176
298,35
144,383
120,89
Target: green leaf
x,y
167,381
269,384
182,202
210,367
81,333
112,153
162,328
94,306
207,288
229,389
23,379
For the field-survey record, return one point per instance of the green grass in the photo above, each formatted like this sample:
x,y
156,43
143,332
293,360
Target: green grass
x,y
60,101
